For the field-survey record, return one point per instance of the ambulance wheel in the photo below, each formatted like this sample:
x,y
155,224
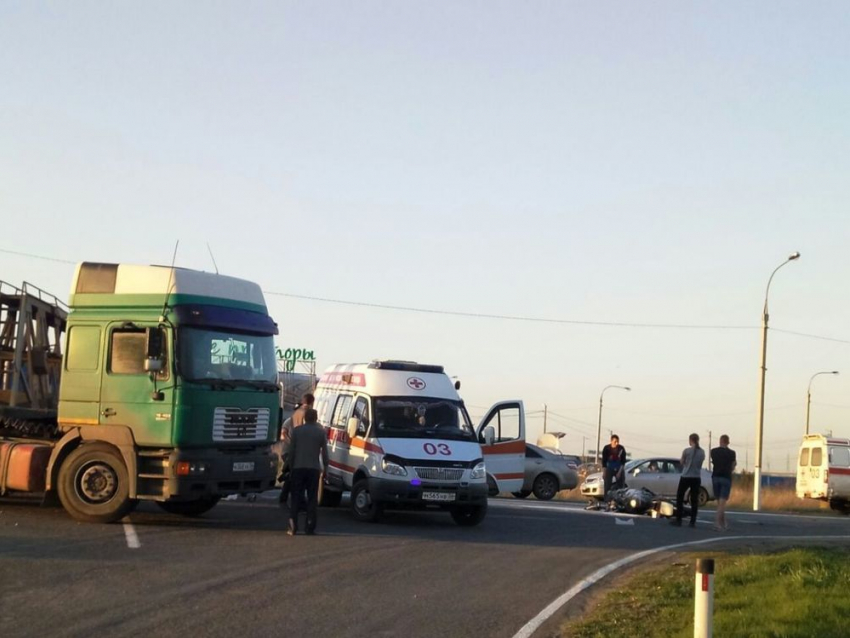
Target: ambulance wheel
x,y
470,515
190,508
492,486
362,505
93,484
522,493
330,498
840,506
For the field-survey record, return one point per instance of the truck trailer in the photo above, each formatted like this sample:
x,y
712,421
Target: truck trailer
x,y
154,383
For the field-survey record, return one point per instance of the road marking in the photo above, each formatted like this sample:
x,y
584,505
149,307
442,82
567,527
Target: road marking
x,y
534,624
624,521
133,541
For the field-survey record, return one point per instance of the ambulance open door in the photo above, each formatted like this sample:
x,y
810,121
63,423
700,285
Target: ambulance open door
x,y
505,456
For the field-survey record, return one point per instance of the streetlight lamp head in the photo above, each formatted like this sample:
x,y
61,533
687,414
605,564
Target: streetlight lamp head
x,y
793,256
627,388
835,372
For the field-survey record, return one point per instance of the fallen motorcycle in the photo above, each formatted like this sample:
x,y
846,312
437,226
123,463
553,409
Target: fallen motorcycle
x,y
630,500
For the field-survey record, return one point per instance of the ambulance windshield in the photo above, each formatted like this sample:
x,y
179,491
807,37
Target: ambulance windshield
x,y
425,418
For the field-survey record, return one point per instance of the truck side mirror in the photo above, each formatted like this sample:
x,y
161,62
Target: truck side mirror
x,y
353,424
489,435
154,349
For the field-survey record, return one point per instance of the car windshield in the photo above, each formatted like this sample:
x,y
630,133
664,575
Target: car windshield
x,y
228,357
423,418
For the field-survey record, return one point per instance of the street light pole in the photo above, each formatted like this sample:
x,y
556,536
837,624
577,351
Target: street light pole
x,y
765,317
809,395
599,424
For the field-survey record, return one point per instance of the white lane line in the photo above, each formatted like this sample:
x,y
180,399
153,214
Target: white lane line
x,y
133,541
534,624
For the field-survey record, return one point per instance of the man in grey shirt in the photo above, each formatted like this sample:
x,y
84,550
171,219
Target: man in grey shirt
x,y
308,442
689,483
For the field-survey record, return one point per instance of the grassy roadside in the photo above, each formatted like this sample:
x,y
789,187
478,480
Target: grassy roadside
x,y
796,593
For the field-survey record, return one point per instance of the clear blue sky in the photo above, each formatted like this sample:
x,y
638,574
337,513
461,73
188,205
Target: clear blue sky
x,y
637,162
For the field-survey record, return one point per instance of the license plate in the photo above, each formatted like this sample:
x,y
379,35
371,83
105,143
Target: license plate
x,y
244,466
438,496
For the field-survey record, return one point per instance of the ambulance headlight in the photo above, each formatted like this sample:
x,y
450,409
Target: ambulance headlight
x,y
392,465
479,471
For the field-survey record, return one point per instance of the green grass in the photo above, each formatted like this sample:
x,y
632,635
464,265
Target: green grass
x,y
802,592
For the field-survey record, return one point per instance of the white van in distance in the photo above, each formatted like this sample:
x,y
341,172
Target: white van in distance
x,y
823,471
399,436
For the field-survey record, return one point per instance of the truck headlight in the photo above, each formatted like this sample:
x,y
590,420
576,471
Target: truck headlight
x,y
391,467
479,471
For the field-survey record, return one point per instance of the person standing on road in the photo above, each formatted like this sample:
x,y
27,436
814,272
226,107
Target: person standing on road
x,y
309,442
724,461
294,421
692,459
613,460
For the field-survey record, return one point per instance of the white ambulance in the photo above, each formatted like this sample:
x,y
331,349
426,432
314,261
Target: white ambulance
x,y
399,436
823,471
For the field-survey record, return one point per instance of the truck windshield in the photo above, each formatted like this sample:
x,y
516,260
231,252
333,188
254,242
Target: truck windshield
x,y
215,355
421,417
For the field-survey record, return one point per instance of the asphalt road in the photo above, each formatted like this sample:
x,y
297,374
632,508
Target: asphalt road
x,y
234,571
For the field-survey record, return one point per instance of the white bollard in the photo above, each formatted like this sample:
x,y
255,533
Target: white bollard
x,y
704,598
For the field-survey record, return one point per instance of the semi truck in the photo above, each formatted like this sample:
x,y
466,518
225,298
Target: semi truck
x,y
154,383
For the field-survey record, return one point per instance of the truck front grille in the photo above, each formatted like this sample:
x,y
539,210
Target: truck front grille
x,y
235,424
439,473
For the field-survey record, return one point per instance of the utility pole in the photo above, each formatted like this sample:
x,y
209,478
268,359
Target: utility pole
x,y
583,438
545,415
709,450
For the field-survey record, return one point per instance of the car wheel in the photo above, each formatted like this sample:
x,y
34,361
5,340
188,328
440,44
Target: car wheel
x,y
522,493
362,505
545,487
702,497
93,484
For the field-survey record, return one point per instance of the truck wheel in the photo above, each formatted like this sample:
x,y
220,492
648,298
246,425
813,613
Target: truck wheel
x,y
521,493
94,485
362,505
330,498
470,515
545,487
190,508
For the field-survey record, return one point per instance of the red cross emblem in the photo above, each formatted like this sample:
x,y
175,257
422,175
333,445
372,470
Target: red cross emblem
x,y
416,383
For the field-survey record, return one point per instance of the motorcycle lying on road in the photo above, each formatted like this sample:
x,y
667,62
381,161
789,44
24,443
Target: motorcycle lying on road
x,y
629,500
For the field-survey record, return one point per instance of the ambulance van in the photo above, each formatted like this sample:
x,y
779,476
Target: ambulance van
x,y
823,471
399,437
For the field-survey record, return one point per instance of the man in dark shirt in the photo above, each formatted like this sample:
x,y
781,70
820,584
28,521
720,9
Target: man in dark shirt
x,y
613,460
723,460
308,442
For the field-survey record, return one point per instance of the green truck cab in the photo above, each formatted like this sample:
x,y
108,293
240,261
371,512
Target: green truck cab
x,y
168,392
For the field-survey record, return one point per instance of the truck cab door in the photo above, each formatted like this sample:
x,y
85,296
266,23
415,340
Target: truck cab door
x,y
131,396
505,458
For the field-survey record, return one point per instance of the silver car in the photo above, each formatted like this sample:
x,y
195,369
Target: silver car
x,y
659,475
546,473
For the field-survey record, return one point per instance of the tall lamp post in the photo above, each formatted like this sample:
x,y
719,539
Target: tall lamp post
x,y
809,395
764,320
599,426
